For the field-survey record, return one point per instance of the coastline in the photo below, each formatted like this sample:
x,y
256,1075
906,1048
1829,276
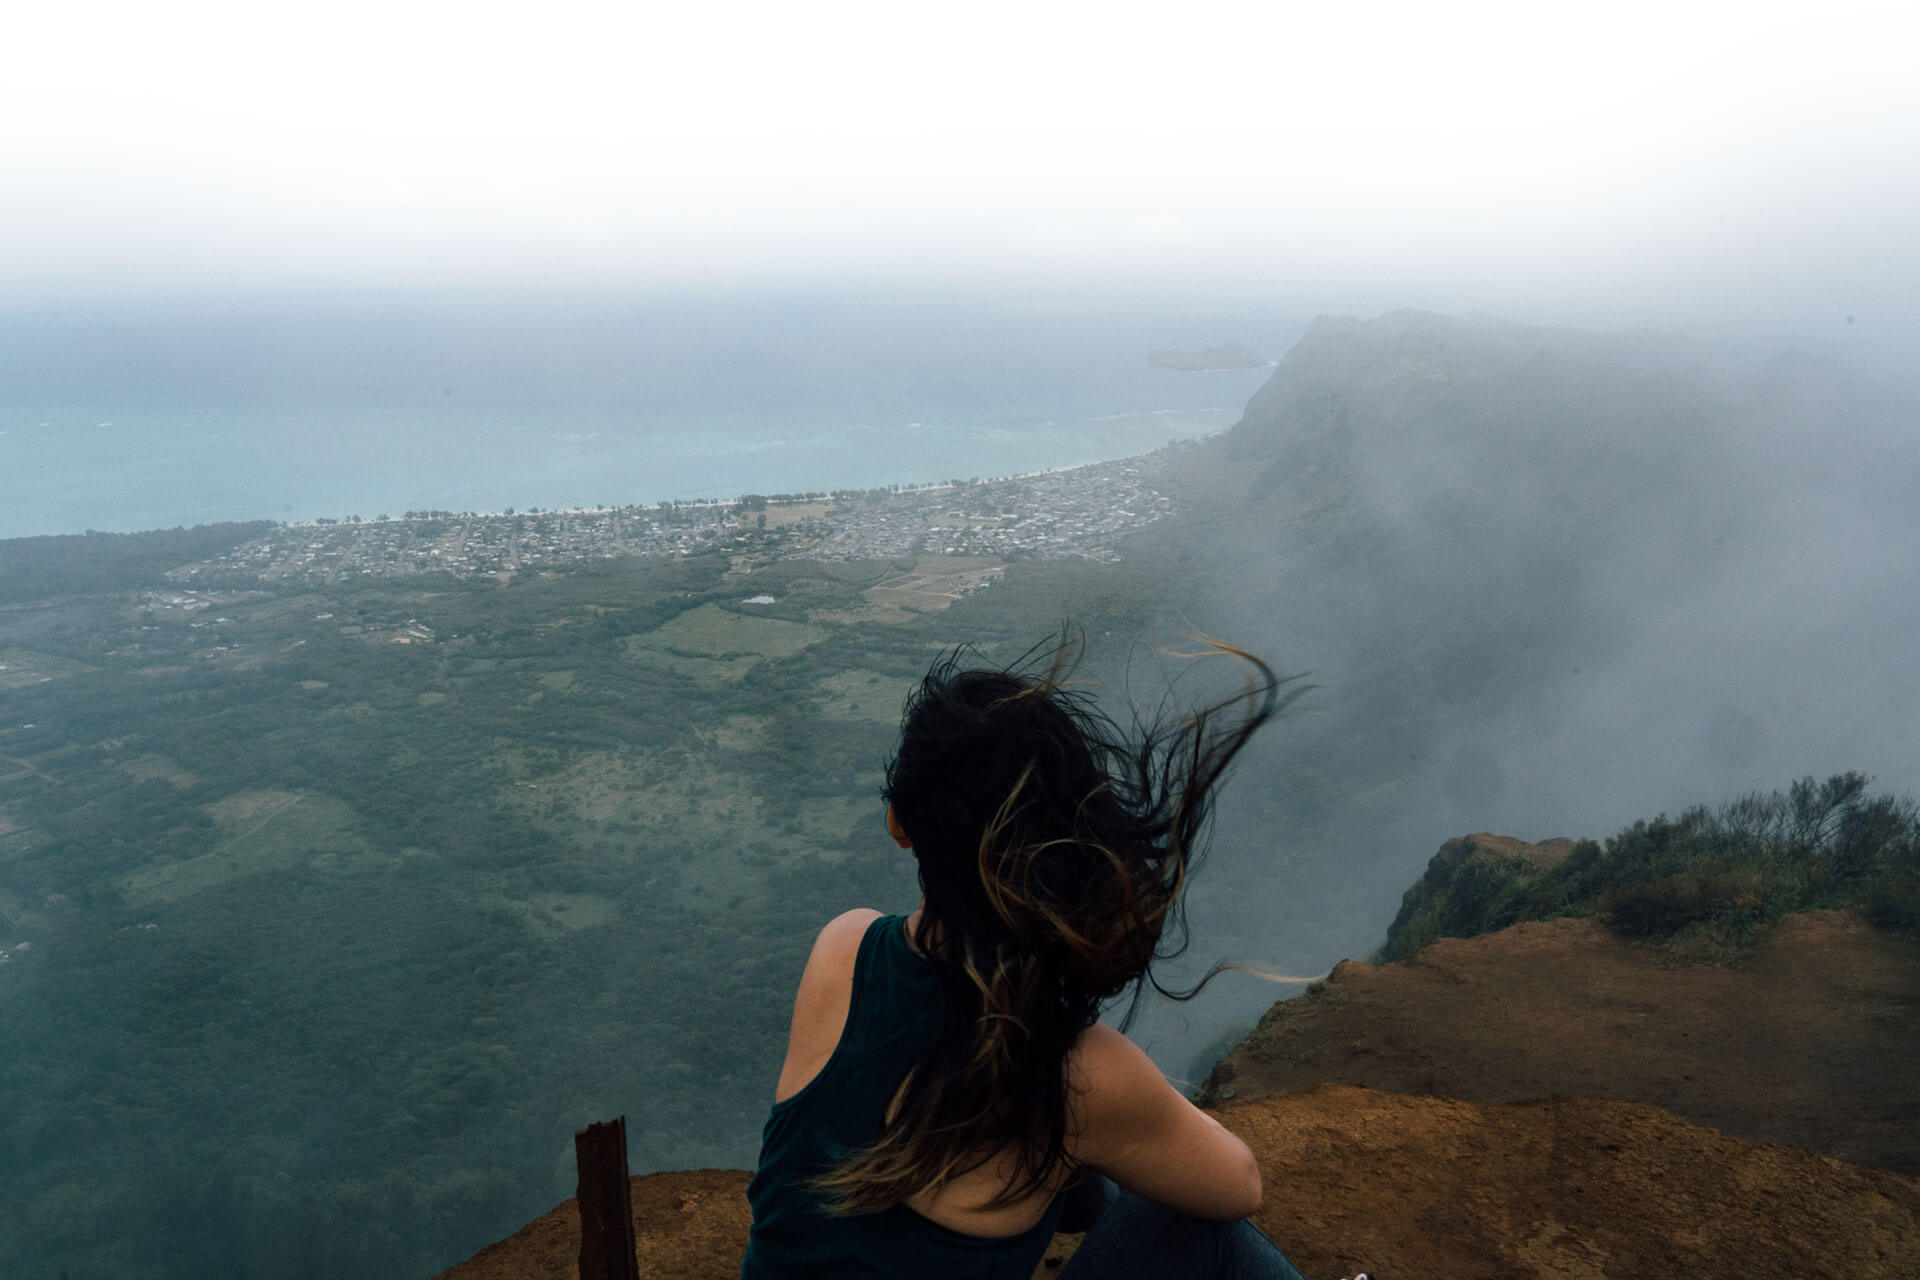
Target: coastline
x,y
772,499
181,470
1074,512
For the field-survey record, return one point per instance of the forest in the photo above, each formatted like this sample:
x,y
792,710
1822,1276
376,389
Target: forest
x,y
319,944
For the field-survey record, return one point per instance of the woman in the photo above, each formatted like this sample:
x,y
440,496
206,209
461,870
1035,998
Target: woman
x,y
946,1078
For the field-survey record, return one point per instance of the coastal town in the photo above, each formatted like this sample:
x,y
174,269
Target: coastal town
x,y
1077,513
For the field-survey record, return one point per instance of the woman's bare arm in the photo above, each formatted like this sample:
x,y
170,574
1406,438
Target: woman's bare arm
x,y
1135,1128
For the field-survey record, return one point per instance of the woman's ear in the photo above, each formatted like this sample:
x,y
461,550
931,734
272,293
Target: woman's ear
x,y
898,832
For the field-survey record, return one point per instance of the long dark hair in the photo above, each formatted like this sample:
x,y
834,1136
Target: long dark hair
x,y
1053,850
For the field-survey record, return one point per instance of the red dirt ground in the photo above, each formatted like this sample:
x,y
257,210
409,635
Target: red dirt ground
x,y
1409,1188
1811,1039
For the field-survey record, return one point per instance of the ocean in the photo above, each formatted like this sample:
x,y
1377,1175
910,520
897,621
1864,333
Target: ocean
x,y
125,417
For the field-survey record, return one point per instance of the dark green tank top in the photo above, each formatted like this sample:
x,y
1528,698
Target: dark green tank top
x,y
893,1014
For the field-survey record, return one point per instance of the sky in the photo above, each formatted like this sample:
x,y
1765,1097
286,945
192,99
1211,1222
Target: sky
x,y
1666,158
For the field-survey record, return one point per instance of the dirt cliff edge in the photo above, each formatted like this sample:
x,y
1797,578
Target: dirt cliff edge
x,y
1415,1188
1748,1116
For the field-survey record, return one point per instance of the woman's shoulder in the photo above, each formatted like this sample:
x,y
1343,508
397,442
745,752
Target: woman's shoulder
x,y
820,1006
1107,1071
830,965
845,930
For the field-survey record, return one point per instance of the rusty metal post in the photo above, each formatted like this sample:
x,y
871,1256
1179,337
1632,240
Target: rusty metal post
x,y
607,1249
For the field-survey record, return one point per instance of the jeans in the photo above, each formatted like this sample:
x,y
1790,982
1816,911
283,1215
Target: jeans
x,y
1135,1239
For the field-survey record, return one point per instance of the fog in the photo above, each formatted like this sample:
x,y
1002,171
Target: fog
x,y
1622,517
1570,581
1739,164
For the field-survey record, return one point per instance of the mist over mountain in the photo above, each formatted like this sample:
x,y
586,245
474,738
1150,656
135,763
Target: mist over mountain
x,y
1548,581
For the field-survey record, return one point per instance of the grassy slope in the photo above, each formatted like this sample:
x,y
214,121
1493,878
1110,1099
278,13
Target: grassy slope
x,y
1715,875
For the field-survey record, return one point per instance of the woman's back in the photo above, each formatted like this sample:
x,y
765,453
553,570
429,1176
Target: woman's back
x,y
867,1006
946,1077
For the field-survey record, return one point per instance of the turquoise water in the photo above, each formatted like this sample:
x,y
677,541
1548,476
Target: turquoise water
x,y
288,409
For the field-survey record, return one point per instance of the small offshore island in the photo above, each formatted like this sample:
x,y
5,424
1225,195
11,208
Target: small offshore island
x,y
1228,358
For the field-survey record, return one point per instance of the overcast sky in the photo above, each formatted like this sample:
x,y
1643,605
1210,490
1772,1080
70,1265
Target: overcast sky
x,y
1647,154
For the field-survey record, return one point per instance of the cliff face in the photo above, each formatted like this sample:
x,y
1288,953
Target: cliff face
x,y
1374,436
1494,546
1808,1040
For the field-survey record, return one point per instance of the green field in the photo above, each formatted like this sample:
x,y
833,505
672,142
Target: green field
x,y
711,643
860,695
23,668
257,832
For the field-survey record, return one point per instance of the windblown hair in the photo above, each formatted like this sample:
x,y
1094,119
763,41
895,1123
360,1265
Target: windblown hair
x,y
1053,850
